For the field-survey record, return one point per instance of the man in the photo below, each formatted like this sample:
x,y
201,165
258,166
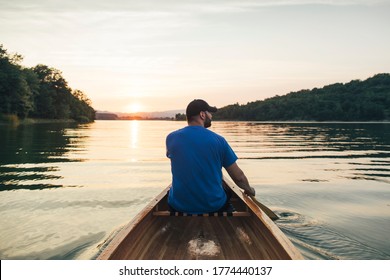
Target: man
x,y
197,156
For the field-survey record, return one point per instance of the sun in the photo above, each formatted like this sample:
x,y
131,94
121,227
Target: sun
x,y
134,108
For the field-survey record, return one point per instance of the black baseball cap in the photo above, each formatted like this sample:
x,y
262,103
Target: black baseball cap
x,y
198,105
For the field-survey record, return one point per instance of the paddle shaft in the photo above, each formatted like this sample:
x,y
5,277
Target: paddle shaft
x,y
265,209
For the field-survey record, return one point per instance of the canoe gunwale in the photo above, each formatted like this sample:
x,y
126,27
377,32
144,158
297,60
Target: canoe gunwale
x,y
138,219
271,226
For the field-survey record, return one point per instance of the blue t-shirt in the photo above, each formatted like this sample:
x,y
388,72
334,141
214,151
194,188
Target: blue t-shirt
x,y
197,156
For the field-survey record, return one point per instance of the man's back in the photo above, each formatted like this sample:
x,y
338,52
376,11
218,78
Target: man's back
x,y
197,157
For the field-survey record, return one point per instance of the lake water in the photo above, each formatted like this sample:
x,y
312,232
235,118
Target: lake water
x,y
66,188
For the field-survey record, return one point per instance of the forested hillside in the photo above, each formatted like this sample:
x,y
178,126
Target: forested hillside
x,y
39,92
357,100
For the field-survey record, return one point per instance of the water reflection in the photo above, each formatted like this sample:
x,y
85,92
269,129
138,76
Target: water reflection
x,y
328,182
134,133
378,170
361,143
29,153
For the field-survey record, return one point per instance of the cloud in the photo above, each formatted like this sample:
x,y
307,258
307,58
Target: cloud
x,y
191,47
166,6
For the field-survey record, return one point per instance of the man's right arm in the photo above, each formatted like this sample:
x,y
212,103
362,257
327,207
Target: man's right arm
x,y
240,179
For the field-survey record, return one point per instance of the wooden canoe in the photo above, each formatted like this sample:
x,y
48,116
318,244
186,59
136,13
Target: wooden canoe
x,y
155,233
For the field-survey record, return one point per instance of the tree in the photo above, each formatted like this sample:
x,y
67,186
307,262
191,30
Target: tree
x,y
40,92
81,107
15,92
180,117
354,101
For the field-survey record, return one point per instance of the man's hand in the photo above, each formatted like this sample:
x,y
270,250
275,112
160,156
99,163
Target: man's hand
x,y
251,191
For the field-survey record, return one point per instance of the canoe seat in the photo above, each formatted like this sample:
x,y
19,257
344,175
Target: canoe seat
x,y
214,214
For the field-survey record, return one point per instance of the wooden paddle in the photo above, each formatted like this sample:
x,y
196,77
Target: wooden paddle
x,y
265,209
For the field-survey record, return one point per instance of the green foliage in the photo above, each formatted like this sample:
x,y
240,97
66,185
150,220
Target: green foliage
x,y
15,93
39,92
367,100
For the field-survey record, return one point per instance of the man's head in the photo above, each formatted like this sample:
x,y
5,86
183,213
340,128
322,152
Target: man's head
x,y
201,108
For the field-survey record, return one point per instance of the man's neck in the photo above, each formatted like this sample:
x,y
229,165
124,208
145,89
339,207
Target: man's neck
x,y
196,123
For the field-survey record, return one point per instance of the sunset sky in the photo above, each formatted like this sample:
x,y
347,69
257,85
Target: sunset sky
x,y
156,55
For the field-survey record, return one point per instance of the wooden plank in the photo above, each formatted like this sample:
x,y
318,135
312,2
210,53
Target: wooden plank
x,y
216,214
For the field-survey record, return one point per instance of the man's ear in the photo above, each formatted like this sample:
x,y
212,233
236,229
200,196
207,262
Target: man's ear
x,y
202,115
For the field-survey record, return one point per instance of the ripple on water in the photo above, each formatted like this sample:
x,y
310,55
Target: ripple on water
x,y
317,240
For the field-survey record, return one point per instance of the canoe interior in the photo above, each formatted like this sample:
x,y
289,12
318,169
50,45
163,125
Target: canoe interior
x,y
152,237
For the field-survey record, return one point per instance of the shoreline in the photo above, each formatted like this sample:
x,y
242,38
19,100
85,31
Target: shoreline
x,y
249,121
15,121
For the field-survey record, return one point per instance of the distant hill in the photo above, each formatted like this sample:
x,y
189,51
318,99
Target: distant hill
x,y
104,115
357,100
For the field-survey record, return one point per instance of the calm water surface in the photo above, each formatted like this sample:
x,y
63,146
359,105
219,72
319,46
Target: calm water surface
x,y
65,189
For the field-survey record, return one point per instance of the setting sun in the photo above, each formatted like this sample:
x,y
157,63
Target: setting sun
x,y
134,108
